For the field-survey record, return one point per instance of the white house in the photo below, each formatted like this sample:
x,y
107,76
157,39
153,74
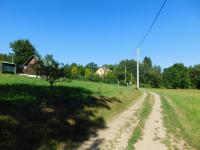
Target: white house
x,y
102,71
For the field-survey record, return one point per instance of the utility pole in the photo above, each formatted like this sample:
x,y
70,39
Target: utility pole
x,y
138,79
143,39
125,74
131,82
131,77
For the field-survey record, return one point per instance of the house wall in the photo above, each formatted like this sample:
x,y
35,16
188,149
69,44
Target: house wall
x,y
100,72
7,68
28,68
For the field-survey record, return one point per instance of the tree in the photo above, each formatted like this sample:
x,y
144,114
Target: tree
x,y
147,62
176,76
49,69
88,73
22,50
81,70
6,57
154,78
150,76
110,77
67,72
92,66
109,66
195,76
131,66
74,72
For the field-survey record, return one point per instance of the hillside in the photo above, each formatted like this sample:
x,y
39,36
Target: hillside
x,y
35,116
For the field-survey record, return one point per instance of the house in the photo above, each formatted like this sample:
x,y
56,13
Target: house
x,y
7,67
27,67
102,71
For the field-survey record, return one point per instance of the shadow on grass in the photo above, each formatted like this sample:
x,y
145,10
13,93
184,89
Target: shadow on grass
x,y
40,117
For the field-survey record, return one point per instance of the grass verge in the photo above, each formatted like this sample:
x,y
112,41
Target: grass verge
x,y
143,114
171,122
182,115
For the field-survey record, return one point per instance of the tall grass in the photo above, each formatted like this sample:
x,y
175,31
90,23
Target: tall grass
x,y
182,114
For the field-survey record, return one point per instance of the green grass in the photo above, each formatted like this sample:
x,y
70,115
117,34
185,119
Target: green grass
x,y
143,115
126,96
182,114
35,116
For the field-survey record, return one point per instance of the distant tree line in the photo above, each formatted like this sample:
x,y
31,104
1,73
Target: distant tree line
x,y
123,73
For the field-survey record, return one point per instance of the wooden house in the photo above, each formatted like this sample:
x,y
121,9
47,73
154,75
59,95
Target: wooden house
x,y
27,67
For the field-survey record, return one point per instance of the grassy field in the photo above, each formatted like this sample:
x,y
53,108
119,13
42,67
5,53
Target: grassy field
x,y
181,110
35,116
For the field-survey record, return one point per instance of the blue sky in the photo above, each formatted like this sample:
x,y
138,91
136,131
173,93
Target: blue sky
x,y
104,31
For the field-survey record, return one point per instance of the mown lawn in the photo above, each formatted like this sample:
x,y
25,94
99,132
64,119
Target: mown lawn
x,y
35,116
182,114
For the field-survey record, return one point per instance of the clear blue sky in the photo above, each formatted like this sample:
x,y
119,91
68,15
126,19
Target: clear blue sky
x,y
104,31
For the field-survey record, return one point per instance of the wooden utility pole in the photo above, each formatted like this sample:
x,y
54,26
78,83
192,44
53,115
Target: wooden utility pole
x,y
138,78
131,77
125,74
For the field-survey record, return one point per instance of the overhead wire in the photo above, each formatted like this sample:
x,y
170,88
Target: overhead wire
x,y
152,24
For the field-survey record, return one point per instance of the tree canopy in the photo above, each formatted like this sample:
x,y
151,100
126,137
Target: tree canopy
x,y
195,76
49,69
6,57
176,76
22,50
147,61
92,66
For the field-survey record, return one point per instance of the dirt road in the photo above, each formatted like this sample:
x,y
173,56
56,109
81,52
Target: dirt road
x,y
154,132
118,132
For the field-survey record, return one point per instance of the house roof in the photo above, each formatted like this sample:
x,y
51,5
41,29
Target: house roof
x,y
5,62
105,69
28,60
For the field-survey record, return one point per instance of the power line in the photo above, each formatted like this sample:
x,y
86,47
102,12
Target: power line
x,y
152,24
145,36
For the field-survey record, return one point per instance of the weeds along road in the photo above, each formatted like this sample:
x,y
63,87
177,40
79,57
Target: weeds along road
x,y
118,131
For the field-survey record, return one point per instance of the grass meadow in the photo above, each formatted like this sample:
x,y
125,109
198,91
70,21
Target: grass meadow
x,y
181,109
35,116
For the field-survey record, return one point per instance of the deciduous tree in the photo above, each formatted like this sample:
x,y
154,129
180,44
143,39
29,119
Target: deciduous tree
x,y
74,72
195,76
176,76
49,69
92,66
22,50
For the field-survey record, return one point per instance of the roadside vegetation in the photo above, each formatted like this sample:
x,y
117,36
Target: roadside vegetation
x,y
173,77
182,114
34,115
143,114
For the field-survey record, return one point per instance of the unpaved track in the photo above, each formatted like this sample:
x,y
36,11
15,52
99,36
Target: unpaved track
x,y
117,132
154,132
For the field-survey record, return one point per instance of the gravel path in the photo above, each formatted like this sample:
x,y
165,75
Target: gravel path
x,y
118,132
154,132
